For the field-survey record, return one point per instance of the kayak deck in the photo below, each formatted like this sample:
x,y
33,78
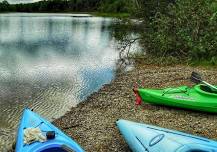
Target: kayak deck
x,y
142,137
60,142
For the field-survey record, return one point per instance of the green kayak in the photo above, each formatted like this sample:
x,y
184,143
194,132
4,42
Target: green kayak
x,y
199,97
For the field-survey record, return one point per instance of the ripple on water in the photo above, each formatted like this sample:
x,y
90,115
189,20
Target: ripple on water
x,y
47,102
50,64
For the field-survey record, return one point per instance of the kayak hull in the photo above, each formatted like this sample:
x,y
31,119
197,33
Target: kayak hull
x,y
182,97
148,138
61,142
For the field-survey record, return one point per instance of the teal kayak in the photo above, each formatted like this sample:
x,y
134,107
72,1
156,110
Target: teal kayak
x,y
148,138
56,141
199,97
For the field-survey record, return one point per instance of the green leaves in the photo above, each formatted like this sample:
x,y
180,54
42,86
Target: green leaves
x,y
187,29
117,6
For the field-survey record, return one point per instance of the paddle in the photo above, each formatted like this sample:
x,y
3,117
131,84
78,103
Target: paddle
x,y
196,78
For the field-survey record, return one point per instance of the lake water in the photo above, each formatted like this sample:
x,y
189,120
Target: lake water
x,y
50,63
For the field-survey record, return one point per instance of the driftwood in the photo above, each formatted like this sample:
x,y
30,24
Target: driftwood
x,y
69,127
124,52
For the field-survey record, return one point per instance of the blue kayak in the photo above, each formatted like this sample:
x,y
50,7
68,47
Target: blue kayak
x,y
147,138
57,141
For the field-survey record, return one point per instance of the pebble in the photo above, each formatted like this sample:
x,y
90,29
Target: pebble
x,y
97,115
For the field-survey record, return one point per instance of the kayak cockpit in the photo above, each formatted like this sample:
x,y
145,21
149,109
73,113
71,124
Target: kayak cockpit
x,y
197,148
62,148
56,148
206,90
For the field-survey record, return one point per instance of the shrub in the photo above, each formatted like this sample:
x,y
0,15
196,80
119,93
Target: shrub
x,y
187,30
116,6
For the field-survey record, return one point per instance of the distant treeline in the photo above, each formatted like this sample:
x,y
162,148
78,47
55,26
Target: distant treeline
x,y
115,6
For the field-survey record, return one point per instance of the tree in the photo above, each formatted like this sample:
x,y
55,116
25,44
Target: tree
x,y
4,6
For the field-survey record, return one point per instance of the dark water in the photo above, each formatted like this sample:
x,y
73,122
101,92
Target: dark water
x,y
50,62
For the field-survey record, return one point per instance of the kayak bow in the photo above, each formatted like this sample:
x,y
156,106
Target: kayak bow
x,y
148,138
58,143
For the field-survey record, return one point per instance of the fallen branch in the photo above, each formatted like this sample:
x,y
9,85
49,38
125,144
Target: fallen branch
x,y
72,126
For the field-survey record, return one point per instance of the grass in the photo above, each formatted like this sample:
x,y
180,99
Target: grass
x,y
205,63
141,59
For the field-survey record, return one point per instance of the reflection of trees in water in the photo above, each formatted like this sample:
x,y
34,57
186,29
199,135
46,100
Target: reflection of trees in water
x,y
52,65
126,33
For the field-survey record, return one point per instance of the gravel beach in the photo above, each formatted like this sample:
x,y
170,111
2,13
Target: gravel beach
x,y
92,122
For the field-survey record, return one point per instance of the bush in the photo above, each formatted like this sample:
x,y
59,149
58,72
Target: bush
x,y
148,8
186,31
116,6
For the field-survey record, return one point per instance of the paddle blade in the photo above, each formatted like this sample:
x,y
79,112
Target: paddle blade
x,y
196,78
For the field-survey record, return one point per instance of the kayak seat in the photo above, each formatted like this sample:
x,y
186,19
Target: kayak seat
x,y
207,89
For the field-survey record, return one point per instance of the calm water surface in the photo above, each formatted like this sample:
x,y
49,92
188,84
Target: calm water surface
x,y
50,62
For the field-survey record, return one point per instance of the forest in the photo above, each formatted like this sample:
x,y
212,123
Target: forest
x,y
173,30
116,6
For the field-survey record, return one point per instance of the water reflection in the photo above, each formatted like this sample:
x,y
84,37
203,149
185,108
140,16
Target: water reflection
x,y
50,63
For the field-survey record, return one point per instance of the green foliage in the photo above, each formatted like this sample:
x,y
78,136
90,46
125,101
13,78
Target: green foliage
x,y
147,9
117,6
58,6
54,6
111,6
186,31
4,6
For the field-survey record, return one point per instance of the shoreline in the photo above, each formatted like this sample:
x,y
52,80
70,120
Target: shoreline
x,y
92,122
86,14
